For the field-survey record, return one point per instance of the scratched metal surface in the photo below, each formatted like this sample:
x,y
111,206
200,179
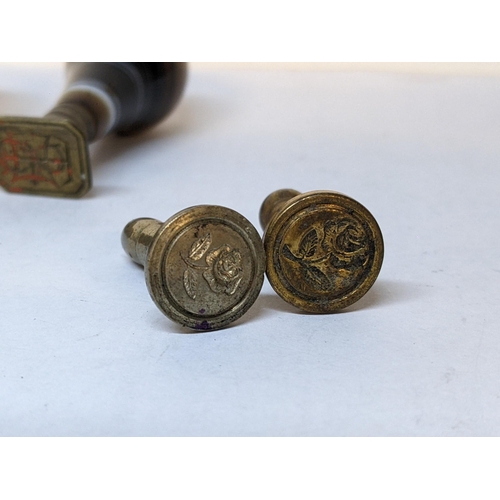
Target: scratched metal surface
x,y
84,351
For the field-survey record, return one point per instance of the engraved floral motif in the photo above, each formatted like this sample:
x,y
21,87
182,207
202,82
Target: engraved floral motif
x,y
222,269
345,239
329,257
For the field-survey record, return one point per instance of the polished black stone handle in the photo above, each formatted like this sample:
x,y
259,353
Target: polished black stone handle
x,y
49,155
120,97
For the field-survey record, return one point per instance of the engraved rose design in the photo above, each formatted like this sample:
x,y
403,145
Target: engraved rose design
x,y
340,246
222,269
224,272
345,239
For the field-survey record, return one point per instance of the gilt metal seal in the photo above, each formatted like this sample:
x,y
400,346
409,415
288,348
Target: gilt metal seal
x,y
324,251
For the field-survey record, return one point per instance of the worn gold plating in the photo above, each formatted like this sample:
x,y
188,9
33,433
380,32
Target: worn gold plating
x,y
324,250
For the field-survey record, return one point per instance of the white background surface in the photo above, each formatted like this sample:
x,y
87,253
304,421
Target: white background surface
x,y
84,351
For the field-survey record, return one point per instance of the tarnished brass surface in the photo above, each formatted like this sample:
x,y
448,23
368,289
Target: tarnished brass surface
x,y
324,250
43,156
204,266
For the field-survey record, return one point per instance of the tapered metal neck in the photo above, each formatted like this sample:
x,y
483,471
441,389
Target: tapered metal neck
x,y
273,204
137,237
90,109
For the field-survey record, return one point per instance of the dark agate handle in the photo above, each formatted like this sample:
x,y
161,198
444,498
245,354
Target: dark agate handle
x,y
121,97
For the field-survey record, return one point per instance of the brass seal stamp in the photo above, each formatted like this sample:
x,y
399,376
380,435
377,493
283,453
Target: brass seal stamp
x,y
204,266
324,250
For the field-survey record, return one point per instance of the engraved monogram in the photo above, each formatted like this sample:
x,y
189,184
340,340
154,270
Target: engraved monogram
x,y
222,270
330,256
33,158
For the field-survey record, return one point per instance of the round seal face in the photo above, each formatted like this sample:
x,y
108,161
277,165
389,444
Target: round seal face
x,y
205,267
324,251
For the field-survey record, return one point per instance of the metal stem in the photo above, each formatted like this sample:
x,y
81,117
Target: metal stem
x,y
137,236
